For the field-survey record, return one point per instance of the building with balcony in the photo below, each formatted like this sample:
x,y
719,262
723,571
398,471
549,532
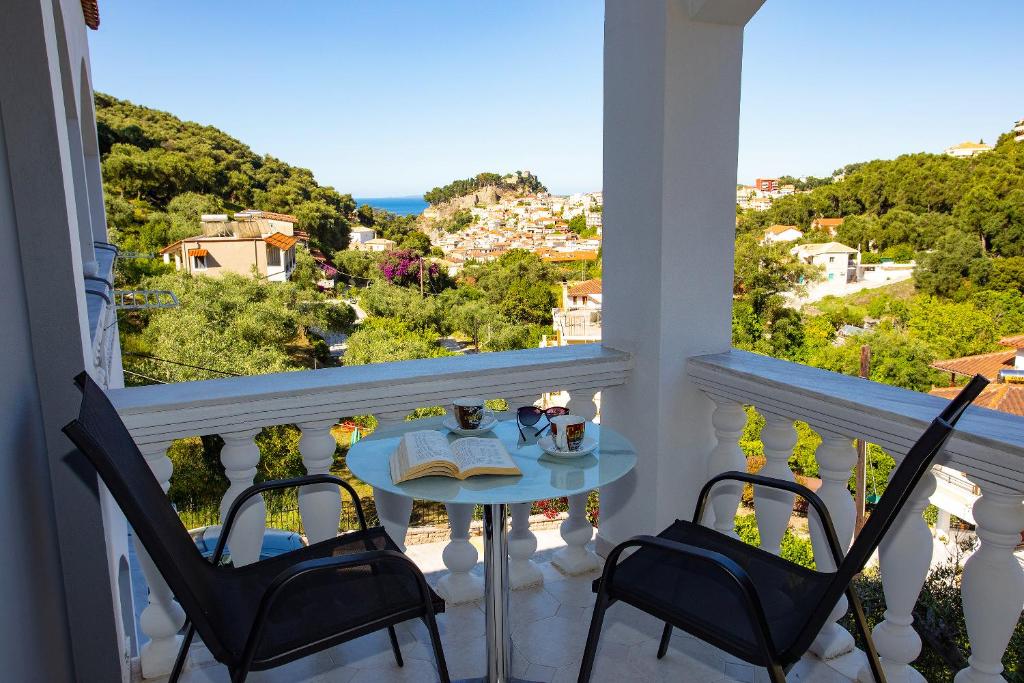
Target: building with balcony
x,y
664,374
253,245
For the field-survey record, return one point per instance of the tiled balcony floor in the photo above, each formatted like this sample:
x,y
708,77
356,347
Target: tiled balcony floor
x,y
549,626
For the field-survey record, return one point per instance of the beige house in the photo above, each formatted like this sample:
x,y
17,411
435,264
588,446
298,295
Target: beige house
x,y
266,243
967,149
376,244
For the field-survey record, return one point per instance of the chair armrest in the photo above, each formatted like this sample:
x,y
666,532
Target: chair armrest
x,y
770,482
728,568
325,564
236,506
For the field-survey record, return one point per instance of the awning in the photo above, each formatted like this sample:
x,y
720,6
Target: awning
x,y
197,252
281,241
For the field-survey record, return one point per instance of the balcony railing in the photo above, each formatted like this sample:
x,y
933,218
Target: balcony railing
x,y
238,408
988,446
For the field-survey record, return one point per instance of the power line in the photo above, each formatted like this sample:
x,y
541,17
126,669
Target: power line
x,y
187,365
137,374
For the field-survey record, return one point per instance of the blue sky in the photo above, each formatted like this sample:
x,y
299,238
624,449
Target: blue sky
x,y
393,97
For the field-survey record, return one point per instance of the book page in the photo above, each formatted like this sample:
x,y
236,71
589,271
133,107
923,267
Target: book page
x,y
476,453
425,446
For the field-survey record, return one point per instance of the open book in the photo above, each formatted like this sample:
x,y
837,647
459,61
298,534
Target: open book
x,y
427,453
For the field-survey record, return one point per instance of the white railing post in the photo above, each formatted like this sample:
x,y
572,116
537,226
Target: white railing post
x,y
774,507
993,584
576,530
904,557
319,504
459,556
836,457
240,456
162,617
522,544
728,419
393,510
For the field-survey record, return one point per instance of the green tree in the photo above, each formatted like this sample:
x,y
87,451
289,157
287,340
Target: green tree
x,y
943,270
382,340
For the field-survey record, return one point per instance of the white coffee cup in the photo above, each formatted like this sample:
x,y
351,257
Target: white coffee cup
x,y
567,432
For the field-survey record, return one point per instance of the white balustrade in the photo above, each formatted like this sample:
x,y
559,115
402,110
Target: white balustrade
x,y
576,530
836,458
993,583
774,507
162,617
240,456
460,556
393,510
319,504
728,419
904,557
523,572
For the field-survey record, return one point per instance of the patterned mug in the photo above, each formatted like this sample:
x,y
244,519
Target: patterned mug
x,y
469,412
567,432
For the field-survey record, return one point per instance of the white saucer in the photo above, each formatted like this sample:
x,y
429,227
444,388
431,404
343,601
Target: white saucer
x,y
486,425
547,445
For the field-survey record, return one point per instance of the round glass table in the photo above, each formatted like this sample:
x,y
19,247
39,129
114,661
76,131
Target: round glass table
x,y
544,476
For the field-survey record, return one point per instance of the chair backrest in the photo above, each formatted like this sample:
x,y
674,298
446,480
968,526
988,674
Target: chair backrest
x,y
103,438
901,485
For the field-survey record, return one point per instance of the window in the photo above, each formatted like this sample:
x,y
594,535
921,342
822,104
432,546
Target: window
x,y
199,262
273,256
831,259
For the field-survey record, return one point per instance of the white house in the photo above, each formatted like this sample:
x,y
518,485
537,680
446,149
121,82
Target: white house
x,y
360,234
1018,131
782,233
378,244
838,262
967,149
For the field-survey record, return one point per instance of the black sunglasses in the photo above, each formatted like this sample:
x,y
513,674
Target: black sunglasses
x,y
530,415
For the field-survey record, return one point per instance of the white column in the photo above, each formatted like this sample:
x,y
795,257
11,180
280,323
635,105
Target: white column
x,y
993,584
162,617
576,530
836,458
319,504
459,556
671,122
774,507
728,419
904,556
393,510
522,544
240,456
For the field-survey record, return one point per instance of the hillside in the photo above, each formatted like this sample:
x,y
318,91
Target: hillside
x,y
483,188
160,173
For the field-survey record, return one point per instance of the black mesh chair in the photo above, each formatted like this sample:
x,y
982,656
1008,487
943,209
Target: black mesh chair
x,y
264,614
755,605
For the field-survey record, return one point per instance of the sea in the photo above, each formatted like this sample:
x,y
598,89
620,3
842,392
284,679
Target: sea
x,y
403,206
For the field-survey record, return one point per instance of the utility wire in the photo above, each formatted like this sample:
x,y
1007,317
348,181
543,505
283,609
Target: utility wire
x,y
187,365
147,377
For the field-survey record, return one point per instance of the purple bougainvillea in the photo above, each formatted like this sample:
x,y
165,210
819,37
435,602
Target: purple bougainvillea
x,y
402,268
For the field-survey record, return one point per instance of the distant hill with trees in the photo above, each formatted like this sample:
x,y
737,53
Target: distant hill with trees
x,y
521,182
161,173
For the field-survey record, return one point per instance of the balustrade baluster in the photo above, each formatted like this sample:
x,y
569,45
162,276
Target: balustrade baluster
x,y
836,458
775,507
162,617
728,419
460,556
319,504
393,510
576,530
993,584
240,456
904,557
522,542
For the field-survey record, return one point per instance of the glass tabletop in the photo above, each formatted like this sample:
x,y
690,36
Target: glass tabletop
x,y
544,476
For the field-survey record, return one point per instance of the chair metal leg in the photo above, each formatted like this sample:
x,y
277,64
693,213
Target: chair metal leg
x,y
869,643
666,635
179,661
435,642
394,646
596,621
776,673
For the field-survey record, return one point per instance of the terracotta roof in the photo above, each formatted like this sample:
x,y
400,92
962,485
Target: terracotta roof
x,y
987,364
281,241
559,257
270,215
779,229
827,221
171,248
1016,341
92,13
586,288
197,252
971,145
1006,398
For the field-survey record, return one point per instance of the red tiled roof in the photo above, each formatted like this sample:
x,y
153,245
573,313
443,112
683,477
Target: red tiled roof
x,y
91,11
1006,398
1016,341
559,257
586,288
828,221
170,248
779,229
987,364
281,241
